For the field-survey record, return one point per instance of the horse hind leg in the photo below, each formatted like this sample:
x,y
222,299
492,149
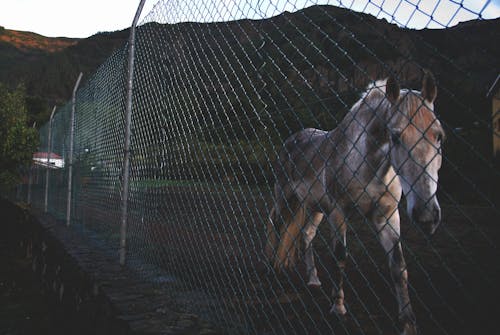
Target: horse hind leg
x,y
339,247
309,234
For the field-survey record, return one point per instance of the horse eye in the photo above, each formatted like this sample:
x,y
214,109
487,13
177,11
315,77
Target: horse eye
x,y
395,136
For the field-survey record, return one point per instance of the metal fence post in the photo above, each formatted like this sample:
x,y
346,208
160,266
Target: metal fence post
x,y
70,158
128,120
47,172
30,181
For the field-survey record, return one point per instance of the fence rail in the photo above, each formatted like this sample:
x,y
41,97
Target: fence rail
x,y
227,182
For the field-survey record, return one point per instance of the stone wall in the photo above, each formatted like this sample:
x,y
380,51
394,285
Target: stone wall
x,y
89,292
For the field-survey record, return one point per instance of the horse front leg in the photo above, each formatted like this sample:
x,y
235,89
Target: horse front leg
x,y
309,234
339,246
389,237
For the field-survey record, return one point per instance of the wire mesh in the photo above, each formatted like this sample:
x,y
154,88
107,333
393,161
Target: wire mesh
x,y
37,174
58,176
99,148
225,97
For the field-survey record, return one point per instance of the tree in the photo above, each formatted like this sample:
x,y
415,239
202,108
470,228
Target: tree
x,y
17,140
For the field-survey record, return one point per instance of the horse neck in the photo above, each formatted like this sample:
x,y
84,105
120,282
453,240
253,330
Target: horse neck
x,y
363,131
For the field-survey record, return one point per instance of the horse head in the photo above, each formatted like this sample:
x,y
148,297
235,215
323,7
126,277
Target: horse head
x,y
415,149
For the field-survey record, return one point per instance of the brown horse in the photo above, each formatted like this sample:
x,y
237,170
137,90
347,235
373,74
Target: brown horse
x,y
389,143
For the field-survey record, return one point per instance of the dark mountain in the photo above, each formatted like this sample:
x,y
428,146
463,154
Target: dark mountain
x,y
19,47
465,58
327,55
48,67
249,80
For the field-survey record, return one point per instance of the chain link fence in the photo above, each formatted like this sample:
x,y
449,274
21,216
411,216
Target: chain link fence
x,y
228,181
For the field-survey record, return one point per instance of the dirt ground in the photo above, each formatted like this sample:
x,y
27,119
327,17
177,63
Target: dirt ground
x,y
211,240
453,277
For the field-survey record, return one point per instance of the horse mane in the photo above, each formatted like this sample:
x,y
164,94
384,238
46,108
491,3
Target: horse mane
x,y
375,88
375,91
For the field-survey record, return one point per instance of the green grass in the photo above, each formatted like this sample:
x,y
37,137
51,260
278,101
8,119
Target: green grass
x,y
160,183
154,183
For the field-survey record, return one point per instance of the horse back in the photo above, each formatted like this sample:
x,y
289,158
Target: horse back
x,y
299,158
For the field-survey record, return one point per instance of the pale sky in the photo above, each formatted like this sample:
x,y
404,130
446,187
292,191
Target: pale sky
x,y
84,18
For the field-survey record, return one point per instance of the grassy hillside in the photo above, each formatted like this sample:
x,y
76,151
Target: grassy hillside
x,y
20,47
28,41
48,67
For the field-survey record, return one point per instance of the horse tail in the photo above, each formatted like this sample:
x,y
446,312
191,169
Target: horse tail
x,y
272,236
293,222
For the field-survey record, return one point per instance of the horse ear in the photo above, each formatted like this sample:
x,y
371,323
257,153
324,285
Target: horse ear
x,y
429,88
392,89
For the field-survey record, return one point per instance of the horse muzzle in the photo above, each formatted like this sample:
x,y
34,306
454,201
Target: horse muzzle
x,y
427,218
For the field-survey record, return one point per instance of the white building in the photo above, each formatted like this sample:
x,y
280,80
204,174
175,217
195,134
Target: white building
x,y
55,161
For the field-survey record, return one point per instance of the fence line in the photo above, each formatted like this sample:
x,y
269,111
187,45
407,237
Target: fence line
x,y
128,118
71,145
188,140
49,151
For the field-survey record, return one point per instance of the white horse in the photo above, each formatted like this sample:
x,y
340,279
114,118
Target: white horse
x,y
388,144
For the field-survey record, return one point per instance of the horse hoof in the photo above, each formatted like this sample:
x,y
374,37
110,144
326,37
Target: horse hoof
x,y
409,329
338,310
314,283
408,321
